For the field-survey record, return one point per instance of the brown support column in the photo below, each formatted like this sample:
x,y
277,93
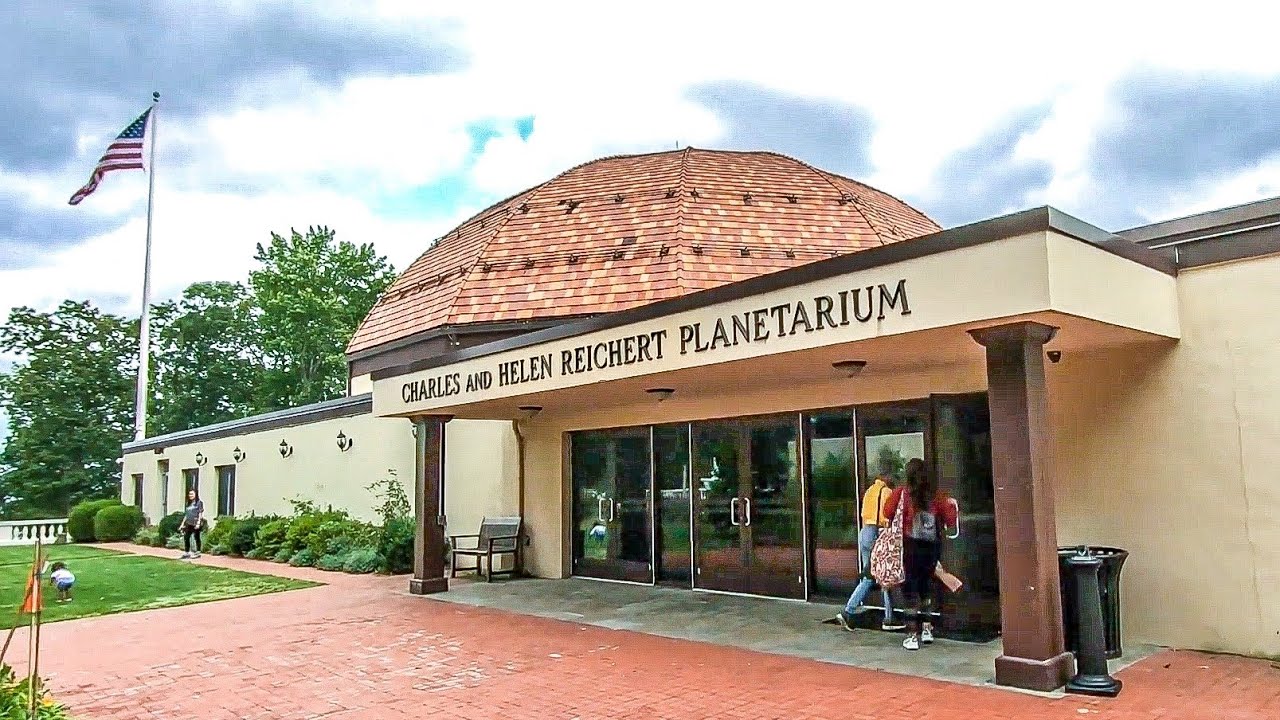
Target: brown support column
x,y
428,536
1035,657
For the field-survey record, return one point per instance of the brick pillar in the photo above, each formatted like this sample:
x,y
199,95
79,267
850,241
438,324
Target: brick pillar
x,y
428,506
1035,656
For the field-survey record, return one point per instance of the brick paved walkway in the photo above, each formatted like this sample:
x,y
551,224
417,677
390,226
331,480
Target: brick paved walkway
x,y
361,648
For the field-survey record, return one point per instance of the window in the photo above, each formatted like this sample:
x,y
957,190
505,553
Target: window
x,y
137,489
226,490
190,481
162,469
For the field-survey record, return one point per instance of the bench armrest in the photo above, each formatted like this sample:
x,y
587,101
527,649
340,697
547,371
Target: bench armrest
x,y
492,540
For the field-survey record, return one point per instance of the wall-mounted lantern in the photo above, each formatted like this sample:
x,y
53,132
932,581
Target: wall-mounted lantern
x,y
851,368
285,449
413,430
238,455
344,442
201,459
660,393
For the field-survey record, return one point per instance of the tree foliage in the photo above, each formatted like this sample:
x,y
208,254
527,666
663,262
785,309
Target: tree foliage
x,y
221,351
311,292
70,406
207,357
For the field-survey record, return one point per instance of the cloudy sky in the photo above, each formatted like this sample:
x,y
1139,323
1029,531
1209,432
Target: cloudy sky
x,y
393,122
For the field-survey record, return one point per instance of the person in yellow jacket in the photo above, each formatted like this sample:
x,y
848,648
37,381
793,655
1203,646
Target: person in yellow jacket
x,y
873,520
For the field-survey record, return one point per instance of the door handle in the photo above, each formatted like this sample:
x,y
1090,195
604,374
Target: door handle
x,y
600,509
611,504
748,513
733,512
956,505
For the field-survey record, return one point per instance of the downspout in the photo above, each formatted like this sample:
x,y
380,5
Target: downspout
x,y
515,427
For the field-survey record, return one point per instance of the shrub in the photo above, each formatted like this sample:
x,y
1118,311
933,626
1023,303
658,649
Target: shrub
x,y
283,555
221,531
258,554
174,542
302,558
395,546
362,560
149,536
244,537
330,562
271,537
169,524
80,521
304,524
117,522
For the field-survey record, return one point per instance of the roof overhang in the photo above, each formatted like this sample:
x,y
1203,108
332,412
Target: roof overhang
x,y
1040,264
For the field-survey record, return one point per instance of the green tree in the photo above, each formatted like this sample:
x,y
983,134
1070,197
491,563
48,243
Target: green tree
x,y
207,358
311,292
70,405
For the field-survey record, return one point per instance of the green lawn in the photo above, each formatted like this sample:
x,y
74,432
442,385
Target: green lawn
x,y
110,582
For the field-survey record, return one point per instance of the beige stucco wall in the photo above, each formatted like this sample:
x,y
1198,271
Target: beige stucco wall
x,y
480,467
1173,455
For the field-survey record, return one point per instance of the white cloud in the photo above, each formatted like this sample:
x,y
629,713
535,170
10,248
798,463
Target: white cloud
x,y
603,78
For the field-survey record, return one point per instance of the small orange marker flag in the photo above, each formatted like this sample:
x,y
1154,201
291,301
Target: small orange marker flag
x,y
33,601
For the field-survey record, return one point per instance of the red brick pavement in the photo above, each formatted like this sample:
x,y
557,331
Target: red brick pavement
x,y
361,648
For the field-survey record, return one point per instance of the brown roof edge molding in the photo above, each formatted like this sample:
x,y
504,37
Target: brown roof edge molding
x,y
1020,223
289,417
471,329
1205,223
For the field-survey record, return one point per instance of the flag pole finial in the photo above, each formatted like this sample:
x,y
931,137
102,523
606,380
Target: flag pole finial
x,y
155,96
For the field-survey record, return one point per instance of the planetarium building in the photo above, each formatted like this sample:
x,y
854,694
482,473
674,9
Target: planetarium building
x,y
684,368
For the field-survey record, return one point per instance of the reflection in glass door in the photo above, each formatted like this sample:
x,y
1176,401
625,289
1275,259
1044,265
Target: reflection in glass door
x,y
611,504
749,506
671,478
833,503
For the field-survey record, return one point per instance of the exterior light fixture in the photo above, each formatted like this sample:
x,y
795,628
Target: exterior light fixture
x,y
344,442
238,455
201,459
527,412
1054,355
285,449
661,393
851,368
413,430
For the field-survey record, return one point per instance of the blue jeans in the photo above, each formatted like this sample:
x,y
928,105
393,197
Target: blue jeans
x,y
866,541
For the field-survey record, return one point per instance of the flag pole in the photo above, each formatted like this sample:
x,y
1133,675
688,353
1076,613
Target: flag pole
x,y
33,651
144,331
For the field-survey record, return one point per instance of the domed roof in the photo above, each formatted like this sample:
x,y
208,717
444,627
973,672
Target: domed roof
x,y
631,230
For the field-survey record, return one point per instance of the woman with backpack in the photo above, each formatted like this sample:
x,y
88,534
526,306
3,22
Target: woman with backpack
x,y
925,513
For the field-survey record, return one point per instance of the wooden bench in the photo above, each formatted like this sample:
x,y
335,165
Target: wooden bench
x,y
498,536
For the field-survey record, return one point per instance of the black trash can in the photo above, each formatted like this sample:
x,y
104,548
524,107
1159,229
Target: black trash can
x,y
1109,586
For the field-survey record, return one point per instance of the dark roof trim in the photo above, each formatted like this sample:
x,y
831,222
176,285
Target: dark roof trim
x,y
1204,223
302,415
979,233
468,329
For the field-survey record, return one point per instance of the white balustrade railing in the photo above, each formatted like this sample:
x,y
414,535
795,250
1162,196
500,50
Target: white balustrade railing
x,y
25,532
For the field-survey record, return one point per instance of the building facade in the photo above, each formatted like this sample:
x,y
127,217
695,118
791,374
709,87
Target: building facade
x,y
684,368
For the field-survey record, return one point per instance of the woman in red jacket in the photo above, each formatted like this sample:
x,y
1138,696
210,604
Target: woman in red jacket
x,y
925,512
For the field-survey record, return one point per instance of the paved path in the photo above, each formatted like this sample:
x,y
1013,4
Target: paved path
x,y
361,647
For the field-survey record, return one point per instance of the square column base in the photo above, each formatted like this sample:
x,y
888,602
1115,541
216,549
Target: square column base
x,y
429,586
1042,675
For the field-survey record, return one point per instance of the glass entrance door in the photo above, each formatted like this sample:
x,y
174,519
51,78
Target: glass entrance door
x,y
748,504
888,437
962,438
612,508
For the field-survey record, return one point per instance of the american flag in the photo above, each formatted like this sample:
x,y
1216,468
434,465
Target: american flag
x,y
124,153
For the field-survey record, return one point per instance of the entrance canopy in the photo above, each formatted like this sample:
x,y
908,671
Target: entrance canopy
x,y
898,308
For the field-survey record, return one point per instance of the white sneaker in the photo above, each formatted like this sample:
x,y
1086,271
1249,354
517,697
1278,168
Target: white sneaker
x,y
911,643
926,634
185,556
195,555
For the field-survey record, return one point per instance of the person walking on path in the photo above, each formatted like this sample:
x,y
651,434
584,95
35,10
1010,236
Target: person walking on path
x,y
874,520
192,517
925,513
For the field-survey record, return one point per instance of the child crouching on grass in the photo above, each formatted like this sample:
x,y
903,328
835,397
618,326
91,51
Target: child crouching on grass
x,y
63,580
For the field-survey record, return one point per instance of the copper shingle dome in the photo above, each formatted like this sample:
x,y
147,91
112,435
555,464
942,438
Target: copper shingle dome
x,y
630,230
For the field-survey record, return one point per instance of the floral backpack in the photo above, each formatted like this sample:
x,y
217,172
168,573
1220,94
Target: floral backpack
x,y
886,554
